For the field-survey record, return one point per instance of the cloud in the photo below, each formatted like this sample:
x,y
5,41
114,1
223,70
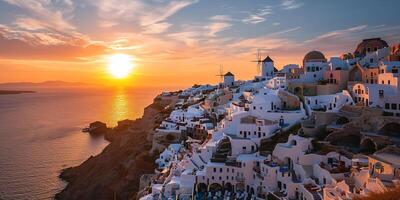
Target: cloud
x,y
29,24
259,16
161,13
217,27
280,33
49,13
222,18
45,46
157,28
147,15
291,4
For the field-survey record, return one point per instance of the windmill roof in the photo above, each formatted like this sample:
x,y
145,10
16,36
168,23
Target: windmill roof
x,y
229,74
267,59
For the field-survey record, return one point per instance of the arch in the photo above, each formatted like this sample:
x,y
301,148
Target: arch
x,y
201,187
228,187
251,191
297,90
342,120
368,146
355,74
351,140
391,129
214,187
240,187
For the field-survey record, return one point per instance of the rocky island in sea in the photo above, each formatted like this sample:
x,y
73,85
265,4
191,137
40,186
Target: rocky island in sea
x,y
5,92
326,130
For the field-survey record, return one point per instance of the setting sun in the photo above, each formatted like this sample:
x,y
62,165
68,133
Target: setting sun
x,y
120,65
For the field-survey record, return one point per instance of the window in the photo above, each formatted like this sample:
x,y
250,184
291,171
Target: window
x,y
371,60
212,177
254,108
233,170
394,106
215,169
387,106
220,170
388,82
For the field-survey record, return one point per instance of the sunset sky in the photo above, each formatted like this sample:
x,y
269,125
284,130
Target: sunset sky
x,y
178,43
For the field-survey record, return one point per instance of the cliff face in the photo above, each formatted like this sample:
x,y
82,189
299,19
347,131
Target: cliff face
x,y
116,171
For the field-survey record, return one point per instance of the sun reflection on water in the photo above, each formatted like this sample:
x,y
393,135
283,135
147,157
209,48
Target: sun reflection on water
x,y
120,107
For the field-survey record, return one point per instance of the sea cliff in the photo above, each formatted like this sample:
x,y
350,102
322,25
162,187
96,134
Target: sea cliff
x,y
115,173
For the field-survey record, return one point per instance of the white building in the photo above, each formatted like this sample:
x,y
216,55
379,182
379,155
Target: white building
x,y
328,103
278,82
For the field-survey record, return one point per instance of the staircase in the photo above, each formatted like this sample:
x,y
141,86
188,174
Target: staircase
x,y
194,163
202,160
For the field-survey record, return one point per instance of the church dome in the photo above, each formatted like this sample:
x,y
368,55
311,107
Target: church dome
x,y
314,56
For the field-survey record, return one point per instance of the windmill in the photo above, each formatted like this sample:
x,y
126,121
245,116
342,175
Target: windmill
x,y
259,60
221,73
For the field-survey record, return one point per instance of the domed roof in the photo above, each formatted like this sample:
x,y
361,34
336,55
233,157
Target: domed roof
x,y
316,56
369,45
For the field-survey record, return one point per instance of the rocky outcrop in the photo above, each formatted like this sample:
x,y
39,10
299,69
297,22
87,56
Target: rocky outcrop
x,y
98,128
115,173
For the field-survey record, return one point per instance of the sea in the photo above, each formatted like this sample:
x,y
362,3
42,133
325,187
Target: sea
x,y
40,134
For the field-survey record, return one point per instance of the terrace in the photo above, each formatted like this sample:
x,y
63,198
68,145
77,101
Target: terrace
x,y
335,167
271,163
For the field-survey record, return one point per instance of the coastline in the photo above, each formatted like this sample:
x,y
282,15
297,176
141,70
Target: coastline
x,y
116,171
